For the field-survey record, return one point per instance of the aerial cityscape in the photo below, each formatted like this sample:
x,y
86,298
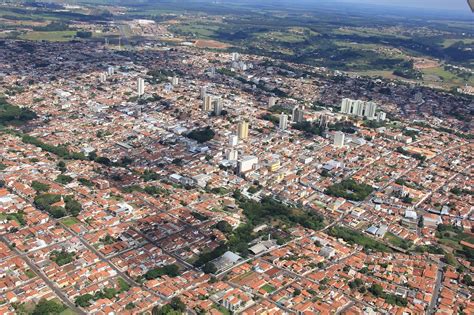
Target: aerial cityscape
x,y
236,157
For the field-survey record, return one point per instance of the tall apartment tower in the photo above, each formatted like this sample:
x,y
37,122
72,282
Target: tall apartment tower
x,y
233,140
358,108
103,77
110,70
369,110
298,114
283,125
175,81
232,155
339,138
271,102
140,86
218,106
346,105
235,56
243,130
207,103
203,92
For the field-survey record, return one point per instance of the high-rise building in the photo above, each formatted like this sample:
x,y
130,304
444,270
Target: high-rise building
x,y
218,106
243,130
283,124
381,116
110,70
358,108
346,106
370,108
271,102
140,86
203,92
339,138
207,103
103,77
298,114
175,81
323,121
232,155
235,56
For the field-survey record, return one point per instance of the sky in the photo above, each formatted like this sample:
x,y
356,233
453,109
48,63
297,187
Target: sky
x,y
457,5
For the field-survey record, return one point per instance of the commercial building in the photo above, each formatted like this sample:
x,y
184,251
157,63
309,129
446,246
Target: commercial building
x,y
246,163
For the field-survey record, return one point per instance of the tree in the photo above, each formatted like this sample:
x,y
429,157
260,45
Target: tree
x,y
224,227
201,135
467,280
177,304
64,179
39,187
376,290
209,268
83,34
48,307
83,300
421,222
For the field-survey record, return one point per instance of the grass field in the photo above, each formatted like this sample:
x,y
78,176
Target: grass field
x,y
448,42
268,288
443,77
70,221
61,36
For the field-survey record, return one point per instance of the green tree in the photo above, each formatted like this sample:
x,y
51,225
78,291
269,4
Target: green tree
x,y
224,227
209,268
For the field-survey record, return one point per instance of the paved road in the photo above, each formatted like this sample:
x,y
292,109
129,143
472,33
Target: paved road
x,y
437,289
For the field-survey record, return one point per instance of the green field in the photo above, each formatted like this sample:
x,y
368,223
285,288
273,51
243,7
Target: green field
x,y
449,41
60,36
445,78
70,221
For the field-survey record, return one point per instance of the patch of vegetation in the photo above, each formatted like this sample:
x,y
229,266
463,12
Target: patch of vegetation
x,y
14,115
176,306
268,288
201,135
417,156
350,189
63,179
17,216
398,241
169,270
393,299
85,182
46,201
107,293
355,237
199,216
62,257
